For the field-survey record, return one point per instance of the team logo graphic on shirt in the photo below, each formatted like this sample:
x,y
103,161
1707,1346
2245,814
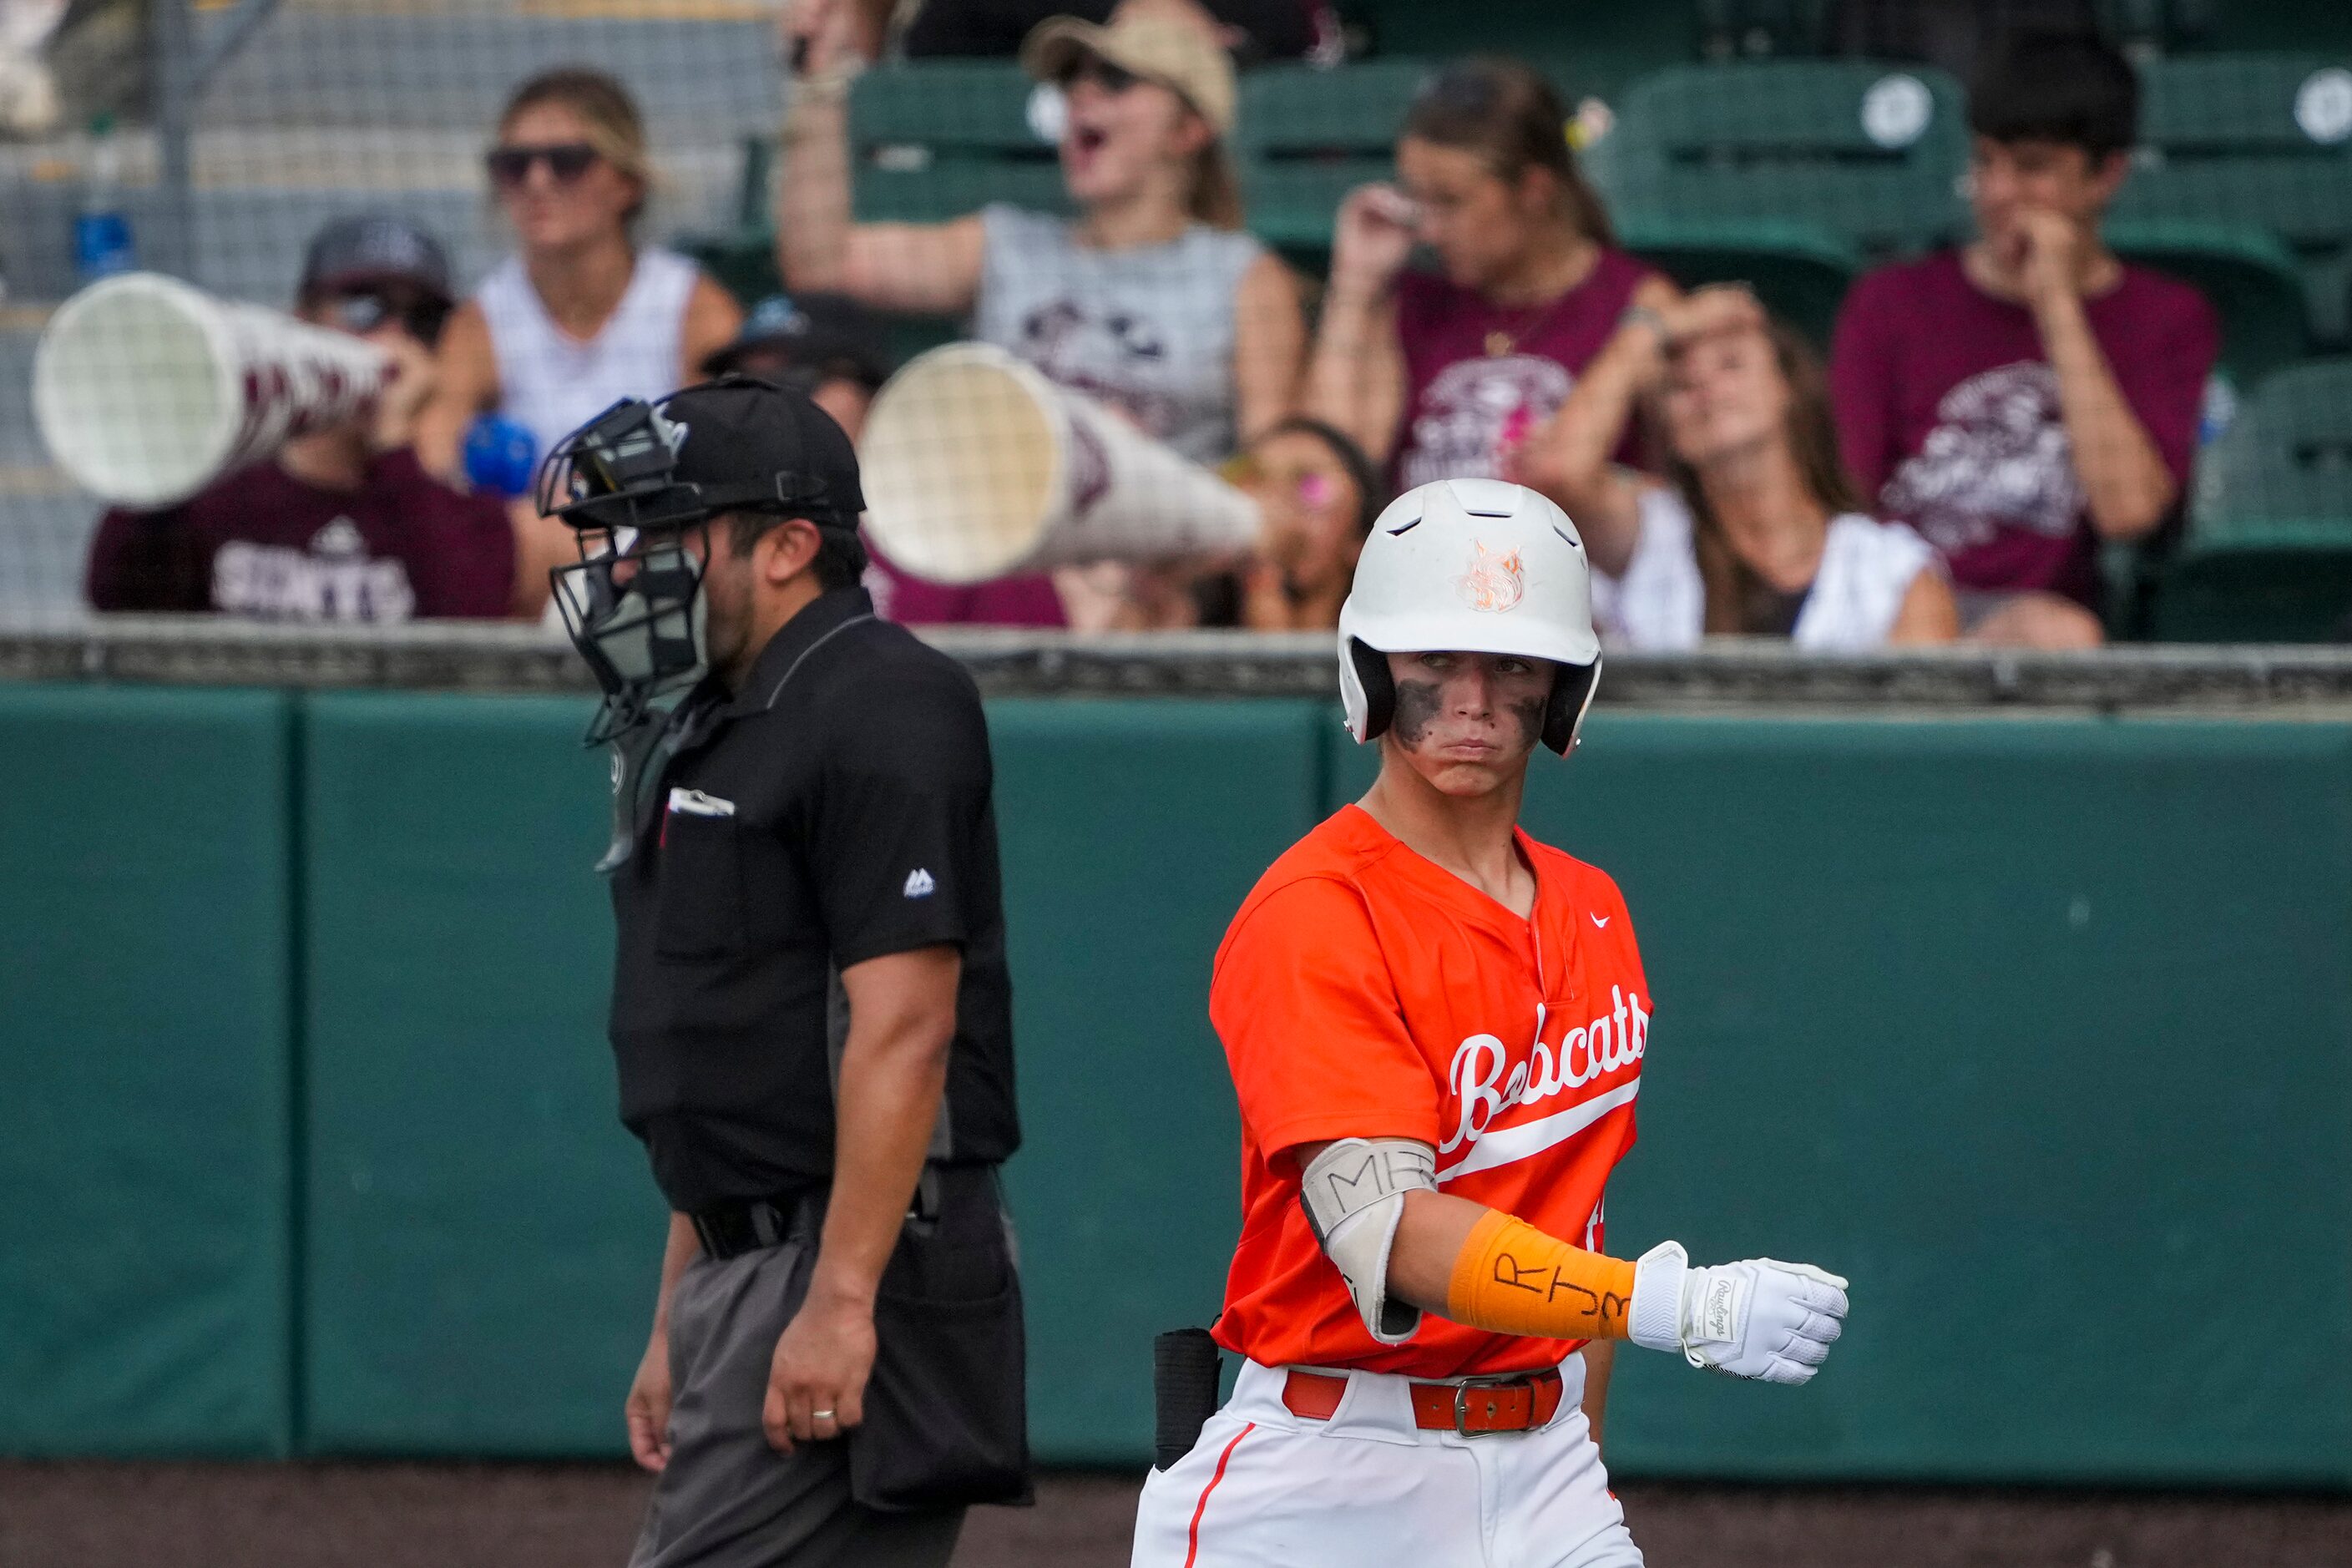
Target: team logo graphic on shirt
x,y
1114,357
1998,456
1483,1085
1473,409
334,579
1494,582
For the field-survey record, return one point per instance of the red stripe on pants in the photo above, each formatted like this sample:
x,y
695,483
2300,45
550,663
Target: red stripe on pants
x,y
1192,1545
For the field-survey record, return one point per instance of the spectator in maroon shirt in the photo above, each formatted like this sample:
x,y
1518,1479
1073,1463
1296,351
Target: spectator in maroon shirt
x,y
1446,377
343,525
2022,399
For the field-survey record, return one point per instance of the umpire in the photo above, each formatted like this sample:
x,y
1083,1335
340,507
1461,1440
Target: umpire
x,y
811,1010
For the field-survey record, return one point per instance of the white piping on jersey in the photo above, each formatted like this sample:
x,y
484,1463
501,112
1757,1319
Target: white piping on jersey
x,y
1513,1144
1617,1038
795,669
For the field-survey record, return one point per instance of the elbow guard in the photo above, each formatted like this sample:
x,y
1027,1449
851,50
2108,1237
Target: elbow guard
x,y
1353,1194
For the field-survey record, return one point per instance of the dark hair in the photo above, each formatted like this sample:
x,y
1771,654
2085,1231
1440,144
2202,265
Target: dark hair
x,y
1372,495
840,559
1812,439
2067,87
1506,113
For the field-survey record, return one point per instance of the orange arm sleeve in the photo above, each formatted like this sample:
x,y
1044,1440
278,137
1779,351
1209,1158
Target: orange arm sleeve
x,y
1512,1279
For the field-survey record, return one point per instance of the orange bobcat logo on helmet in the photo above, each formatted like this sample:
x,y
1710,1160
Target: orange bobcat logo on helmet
x,y
1492,583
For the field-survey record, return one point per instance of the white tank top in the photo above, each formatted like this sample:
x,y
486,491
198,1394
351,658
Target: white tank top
x,y
1660,604
550,382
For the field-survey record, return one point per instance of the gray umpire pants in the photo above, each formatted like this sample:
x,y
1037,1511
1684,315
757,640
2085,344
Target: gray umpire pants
x,y
730,1500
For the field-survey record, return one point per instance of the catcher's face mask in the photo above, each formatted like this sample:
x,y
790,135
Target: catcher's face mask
x,y
633,603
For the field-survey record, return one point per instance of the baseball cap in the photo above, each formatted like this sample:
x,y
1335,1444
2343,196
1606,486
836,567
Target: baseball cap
x,y
745,436
828,333
1178,56
375,250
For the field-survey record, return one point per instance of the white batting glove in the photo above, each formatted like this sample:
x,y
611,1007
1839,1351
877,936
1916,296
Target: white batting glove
x,y
1769,1321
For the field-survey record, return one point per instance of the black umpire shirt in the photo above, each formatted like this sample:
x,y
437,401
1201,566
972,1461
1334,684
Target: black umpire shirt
x,y
836,809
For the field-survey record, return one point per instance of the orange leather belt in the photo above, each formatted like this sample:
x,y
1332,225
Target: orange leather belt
x,y
1476,1406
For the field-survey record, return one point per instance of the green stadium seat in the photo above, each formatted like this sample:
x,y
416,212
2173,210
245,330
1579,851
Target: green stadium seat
x,y
935,140
1304,138
1799,270
743,261
2151,26
2249,277
2261,144
1788,175
1752,29
2268,554
929,142
1868,155
1598,49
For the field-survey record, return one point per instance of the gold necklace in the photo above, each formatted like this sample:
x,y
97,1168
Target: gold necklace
x,y
1500,343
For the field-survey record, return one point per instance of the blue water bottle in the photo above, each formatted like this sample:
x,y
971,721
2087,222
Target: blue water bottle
x,y
102,245
500,455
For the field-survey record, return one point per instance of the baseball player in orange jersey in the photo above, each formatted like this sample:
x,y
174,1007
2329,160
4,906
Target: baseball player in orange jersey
x,y
1436,1028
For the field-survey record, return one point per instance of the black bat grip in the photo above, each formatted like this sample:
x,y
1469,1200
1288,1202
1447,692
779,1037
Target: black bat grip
x,y
1184,1367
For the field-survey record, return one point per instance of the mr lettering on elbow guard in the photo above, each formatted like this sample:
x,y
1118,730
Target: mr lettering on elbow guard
x,y
1353,1192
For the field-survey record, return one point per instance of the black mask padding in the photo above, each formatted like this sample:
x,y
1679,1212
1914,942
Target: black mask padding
x,y
1569,688
1380,687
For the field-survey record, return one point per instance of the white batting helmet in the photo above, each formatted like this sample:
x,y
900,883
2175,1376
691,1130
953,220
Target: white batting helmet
x,y
1470,566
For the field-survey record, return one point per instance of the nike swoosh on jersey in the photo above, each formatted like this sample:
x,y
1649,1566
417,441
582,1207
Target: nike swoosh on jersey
x,y
1509,1144
1600,920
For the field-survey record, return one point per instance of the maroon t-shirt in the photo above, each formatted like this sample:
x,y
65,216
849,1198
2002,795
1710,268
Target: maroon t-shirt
x,y
1025,600
1463,404
264,544
1948,412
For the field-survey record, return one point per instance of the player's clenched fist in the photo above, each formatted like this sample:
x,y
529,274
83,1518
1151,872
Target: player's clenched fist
x,y
1762,1319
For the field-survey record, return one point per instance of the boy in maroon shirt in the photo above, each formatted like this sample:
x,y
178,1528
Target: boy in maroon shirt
x,y
343,525
2021,399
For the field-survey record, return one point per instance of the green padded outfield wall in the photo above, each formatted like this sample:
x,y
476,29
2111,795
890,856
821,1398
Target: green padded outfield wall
x,y
484,1239
2039,1029
146,1048
1130,831
484,1233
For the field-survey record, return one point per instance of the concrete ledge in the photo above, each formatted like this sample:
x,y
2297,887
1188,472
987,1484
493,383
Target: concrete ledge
x,y
1727,674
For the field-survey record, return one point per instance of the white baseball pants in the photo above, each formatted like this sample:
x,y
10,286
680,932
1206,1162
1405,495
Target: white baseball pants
x,y
1264,1489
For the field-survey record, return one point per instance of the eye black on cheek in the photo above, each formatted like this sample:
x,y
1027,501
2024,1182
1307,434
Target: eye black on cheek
x,y
1417,706
1530,715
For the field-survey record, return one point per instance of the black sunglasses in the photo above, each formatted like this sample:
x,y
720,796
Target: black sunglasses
x,y
1112,79
511,166
364,310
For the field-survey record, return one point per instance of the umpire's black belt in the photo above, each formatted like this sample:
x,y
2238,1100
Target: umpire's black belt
x,y
748,1225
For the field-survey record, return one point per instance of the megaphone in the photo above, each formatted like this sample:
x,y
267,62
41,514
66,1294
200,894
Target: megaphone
x,y
146,389
974,465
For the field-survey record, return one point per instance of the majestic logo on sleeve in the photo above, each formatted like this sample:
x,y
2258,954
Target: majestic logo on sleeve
x,y
1998,456
1480,1091
1494,582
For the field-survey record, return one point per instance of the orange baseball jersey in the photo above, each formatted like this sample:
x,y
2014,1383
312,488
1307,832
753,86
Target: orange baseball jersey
x,y
1364,992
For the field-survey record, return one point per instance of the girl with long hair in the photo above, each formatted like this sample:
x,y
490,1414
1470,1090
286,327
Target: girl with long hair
x,y
1755,530
1151,300
1446,376
582,315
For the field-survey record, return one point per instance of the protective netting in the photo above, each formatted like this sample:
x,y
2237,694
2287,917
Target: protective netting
x,y
2090,371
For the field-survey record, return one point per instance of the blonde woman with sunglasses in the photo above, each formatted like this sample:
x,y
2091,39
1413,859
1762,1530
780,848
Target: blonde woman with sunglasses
x,y
582,315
